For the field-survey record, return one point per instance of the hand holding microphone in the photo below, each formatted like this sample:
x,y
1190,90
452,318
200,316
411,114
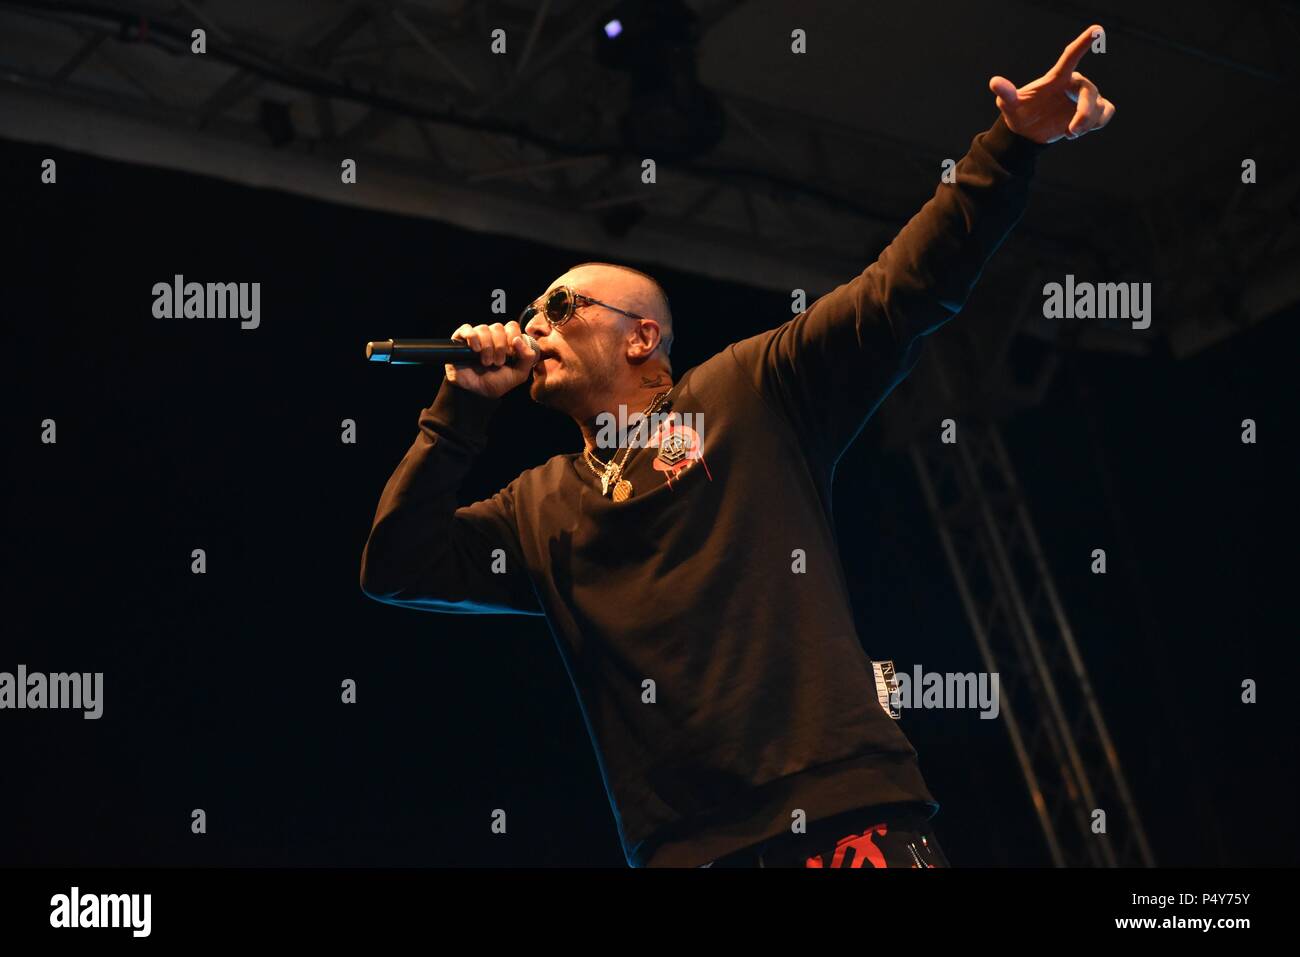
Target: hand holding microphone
x,y
506,356
486,359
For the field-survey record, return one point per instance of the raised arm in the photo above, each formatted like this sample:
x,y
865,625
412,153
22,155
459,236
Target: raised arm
x,y
829,368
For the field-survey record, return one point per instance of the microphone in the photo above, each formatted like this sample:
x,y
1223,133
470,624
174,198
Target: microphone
x,y
400,352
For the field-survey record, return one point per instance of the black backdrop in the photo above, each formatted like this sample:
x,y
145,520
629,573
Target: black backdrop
x,y
222,690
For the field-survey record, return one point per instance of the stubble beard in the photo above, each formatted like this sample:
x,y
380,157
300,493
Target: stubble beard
x,y
558,395
570,395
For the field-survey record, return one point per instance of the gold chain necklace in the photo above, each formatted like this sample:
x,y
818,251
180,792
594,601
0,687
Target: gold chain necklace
x,y
611,473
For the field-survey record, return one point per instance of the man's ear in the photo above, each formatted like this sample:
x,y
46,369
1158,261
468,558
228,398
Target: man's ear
x,y
643,340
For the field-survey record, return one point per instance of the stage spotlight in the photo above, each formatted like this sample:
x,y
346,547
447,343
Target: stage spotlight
x,y
670,115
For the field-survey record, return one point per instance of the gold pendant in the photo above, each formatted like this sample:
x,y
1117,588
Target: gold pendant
x,y
612,474
622,490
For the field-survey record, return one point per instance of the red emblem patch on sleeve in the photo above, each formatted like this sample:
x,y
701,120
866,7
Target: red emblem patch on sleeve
x,y
680,447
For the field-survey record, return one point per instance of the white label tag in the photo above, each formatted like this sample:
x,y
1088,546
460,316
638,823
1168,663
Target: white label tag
x,y
887,688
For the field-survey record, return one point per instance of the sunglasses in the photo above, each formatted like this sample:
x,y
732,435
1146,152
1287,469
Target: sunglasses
x,y
559,304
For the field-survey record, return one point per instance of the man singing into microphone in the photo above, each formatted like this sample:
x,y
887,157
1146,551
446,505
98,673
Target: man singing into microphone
x,y
691,579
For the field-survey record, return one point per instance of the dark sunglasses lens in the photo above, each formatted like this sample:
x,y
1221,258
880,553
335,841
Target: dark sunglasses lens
x,y
557,307
528,313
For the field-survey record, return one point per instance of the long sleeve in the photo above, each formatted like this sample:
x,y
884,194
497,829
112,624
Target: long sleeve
x,y
424,551
830,367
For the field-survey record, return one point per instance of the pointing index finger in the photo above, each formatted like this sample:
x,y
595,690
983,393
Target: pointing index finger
x,y
1072,54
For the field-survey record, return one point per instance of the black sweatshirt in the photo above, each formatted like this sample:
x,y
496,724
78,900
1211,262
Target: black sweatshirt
x,y
763,702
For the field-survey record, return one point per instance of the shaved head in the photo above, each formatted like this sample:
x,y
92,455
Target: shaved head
x,y
653,298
